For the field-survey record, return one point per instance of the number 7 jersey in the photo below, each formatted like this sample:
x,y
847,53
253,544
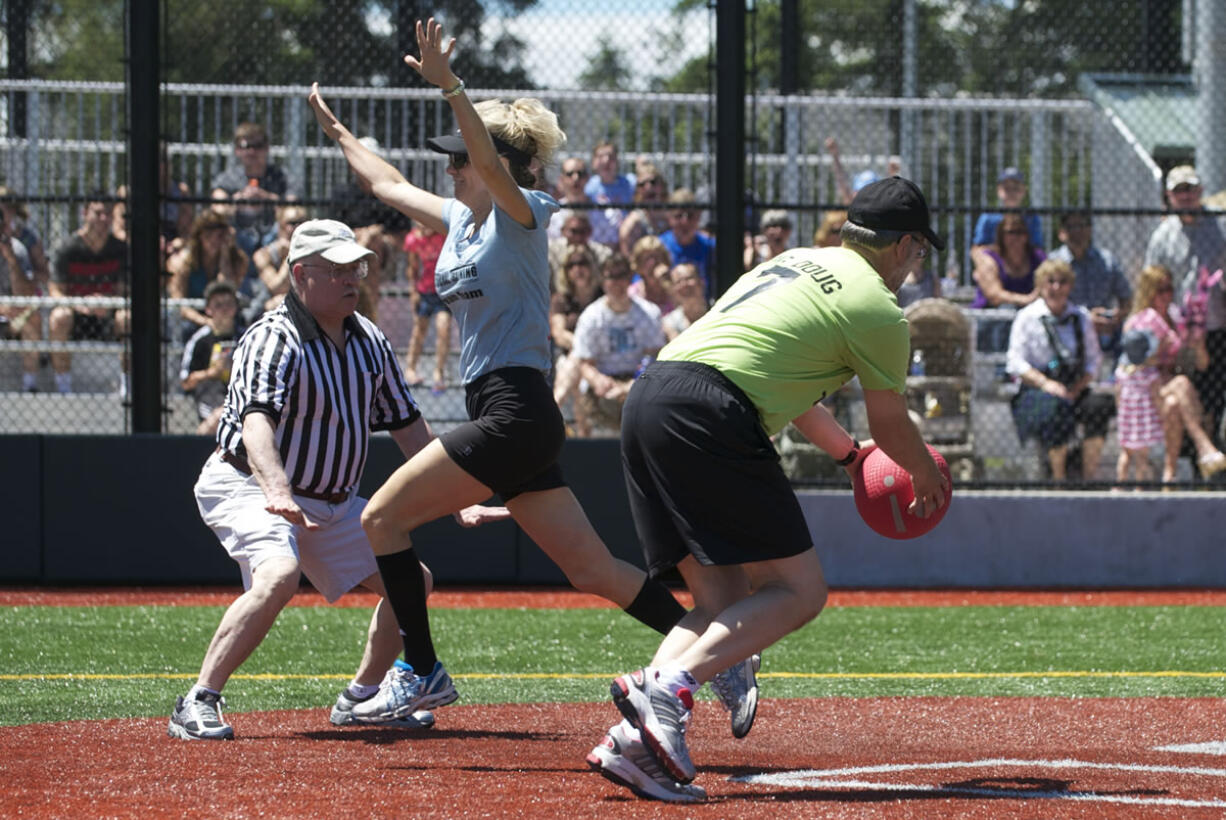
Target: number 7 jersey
x,y
799,326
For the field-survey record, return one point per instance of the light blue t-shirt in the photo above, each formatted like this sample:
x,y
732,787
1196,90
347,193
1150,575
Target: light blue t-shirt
x,y
496,284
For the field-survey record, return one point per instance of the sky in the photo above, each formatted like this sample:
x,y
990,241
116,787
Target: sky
x,y
563,34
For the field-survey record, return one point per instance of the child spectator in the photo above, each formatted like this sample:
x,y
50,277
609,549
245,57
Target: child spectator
x,y
423,246
692,302
205,370
1157,404
651,273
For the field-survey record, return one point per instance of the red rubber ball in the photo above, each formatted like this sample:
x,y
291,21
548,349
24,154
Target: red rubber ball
x,y
883,492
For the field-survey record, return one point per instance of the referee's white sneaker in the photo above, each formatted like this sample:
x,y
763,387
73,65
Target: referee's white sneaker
x,y
342,715
622,758
737,688
199,718
660,716
404,692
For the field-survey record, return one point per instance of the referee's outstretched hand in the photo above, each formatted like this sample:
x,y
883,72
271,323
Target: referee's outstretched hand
x,y
478,514
291,512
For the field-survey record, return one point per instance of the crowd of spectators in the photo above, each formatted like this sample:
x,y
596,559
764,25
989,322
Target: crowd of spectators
x,y
633,266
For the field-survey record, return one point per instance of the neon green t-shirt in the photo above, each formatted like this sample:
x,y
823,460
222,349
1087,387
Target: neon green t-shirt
x,y
799,326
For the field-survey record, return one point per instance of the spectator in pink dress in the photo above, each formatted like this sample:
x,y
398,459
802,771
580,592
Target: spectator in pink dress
x,y
423,246
1156,403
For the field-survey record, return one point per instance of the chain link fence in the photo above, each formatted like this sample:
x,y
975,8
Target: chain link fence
x,y
1083,110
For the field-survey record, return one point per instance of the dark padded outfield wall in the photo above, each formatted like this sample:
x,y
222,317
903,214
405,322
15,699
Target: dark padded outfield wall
x,y
105,509
119,510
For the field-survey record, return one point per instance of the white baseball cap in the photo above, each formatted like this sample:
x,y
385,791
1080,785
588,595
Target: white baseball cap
x,y
330,239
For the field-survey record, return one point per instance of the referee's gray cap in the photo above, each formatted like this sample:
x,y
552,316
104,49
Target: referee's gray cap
x,y
330,239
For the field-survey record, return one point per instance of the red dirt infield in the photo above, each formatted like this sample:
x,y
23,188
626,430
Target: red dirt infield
x,y
891,758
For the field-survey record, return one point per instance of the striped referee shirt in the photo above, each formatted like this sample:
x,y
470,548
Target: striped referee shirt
x,y
324,402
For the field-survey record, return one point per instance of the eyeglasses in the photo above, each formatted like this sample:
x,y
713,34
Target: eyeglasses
x,y
575,172
457,161
254,145
356,270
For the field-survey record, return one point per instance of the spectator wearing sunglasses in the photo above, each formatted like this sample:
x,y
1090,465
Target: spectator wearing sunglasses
x,y
269,261
255,186
650,188
570,195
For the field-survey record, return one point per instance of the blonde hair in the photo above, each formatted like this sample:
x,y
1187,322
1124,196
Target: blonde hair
x,y
649,246
1052,268
524,123
832,221
1152,277
561,282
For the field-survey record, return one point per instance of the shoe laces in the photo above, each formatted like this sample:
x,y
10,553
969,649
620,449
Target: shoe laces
x,y
727,689
208,707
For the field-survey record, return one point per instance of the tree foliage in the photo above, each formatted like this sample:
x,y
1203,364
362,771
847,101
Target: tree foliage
x,y
1015,49
606,69
273,42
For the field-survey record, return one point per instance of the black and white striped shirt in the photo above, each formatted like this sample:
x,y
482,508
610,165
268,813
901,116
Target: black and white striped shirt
x,y
324,402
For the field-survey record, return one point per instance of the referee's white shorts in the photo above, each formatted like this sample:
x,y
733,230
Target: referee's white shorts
x,y
335,558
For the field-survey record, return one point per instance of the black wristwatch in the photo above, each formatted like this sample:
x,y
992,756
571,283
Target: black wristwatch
x,y
850,457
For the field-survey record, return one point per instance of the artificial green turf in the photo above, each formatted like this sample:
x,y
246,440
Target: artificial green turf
x,y
575,652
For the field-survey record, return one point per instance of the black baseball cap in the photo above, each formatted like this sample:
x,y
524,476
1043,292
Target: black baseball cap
x,y
894,204
454,144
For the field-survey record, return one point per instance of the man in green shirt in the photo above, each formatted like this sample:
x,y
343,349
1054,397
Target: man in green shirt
x,y
706,488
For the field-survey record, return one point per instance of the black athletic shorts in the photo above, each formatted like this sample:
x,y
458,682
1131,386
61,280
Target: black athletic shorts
x,y
702,475
516,433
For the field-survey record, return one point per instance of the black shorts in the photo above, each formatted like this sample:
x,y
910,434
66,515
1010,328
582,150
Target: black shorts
x,y
515,436
702,475
88,326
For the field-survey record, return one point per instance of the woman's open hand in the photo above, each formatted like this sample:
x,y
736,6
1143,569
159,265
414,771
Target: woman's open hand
x,y
434,66
323,114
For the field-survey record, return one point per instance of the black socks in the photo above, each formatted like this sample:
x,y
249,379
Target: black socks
x,y
406,592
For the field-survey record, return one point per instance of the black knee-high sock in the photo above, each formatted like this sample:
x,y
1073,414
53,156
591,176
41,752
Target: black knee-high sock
x,y
656,607
406,592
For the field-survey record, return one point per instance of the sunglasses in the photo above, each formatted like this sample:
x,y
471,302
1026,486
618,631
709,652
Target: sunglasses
x,y
579,172
251,144
649,181
458,161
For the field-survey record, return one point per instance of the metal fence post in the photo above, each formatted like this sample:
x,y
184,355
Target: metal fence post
x,y
143,150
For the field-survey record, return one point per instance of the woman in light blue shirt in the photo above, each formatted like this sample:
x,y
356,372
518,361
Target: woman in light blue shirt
x,y
493,274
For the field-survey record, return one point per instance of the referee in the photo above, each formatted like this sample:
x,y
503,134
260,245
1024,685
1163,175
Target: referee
x,y
310,382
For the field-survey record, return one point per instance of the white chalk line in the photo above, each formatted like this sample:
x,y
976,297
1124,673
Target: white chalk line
x,y
846,778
